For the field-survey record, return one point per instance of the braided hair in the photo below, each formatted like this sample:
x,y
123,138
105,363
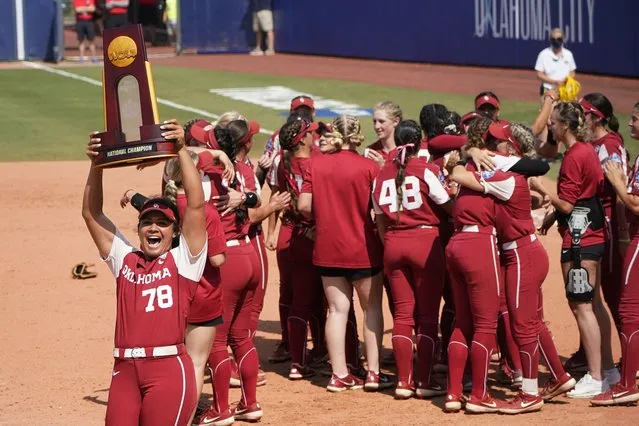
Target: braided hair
x,y
348,130
288,132
571,114
477,132
228,139
408,136
432,118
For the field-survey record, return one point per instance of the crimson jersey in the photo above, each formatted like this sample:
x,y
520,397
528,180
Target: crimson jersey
x,y
233,229
633,188
153,296
513,219
441,144
474,208
341,184
580,178
84,16
284,180
422,191
216,241
423,150
379,148
610,147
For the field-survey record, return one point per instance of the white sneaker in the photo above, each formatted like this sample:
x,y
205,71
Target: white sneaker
x,y
256,52
587,387
611,377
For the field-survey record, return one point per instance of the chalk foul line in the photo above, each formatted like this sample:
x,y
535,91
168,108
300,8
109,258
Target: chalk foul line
x,y
166,102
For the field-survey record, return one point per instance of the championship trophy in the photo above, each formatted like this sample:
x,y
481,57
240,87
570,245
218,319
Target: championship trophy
x,y
133,133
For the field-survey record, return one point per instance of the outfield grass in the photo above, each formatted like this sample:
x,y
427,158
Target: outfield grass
x,y
47,117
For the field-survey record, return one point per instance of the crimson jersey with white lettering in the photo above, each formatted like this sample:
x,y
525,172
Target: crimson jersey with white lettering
x,y
514,219
422,191
153,296
341,184
610,147
633,188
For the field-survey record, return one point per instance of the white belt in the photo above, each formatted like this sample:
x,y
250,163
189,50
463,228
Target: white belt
x,y
235,243
142,352
475,228
511,245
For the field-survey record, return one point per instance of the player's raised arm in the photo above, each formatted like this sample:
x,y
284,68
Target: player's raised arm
x,y
102,230
194,222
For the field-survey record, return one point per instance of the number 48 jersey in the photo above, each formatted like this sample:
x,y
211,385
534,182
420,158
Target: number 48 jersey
x,y
423,188
153,296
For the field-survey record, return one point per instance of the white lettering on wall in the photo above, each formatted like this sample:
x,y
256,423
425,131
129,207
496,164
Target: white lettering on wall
x,y
535,19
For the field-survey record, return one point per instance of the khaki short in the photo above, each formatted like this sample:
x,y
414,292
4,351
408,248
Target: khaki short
x,y
263,20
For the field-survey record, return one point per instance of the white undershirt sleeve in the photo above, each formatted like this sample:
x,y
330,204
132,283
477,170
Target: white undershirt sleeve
x,y
189,266
436,190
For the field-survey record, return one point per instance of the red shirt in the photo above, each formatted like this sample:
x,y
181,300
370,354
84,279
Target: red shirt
x,y
379,148
474,208
233,229
610,147
153,296
341,184
580,178
633,188
117,7
216,241
513,219
423,191
84,16
286,181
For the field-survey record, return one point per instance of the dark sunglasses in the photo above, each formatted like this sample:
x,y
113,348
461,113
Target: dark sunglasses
x,y
557,39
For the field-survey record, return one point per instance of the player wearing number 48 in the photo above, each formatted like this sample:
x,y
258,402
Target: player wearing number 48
x,y
153,378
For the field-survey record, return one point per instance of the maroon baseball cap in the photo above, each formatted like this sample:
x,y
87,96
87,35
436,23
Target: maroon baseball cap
x,y
501,131
254,128
486,99
470,116
155,206
203,132
300,101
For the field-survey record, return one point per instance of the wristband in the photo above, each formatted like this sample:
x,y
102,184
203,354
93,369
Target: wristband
x,y
251,199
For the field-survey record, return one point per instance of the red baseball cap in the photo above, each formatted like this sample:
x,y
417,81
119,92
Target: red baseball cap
x,y
153,205
470,116
501,130
302,101
203,132
254,128
486,99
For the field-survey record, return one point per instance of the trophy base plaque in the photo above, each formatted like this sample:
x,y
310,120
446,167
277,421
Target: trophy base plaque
x,y
132,134
115,152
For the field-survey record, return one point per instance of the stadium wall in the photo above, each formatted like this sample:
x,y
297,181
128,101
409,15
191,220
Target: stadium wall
x,y
30,29
506,33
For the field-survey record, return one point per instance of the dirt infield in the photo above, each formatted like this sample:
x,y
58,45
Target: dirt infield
x,y
57,333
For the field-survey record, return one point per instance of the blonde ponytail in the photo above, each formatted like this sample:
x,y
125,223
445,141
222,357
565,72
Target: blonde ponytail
x,y
171,191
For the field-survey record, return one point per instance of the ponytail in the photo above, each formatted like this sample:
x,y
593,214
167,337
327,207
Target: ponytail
x,y
407,137
399,186
613,123
286,162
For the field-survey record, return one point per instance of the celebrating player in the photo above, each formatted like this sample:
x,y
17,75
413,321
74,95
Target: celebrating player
x,y
337,191
153,377
405,194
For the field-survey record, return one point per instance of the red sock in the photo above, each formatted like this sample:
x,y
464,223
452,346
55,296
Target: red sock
x,y
549,352
297,339
457,357
220,368
480,351
426,353
630,354
403,351
529,355
248,365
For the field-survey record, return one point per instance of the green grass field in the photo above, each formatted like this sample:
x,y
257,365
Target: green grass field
x,y
48,117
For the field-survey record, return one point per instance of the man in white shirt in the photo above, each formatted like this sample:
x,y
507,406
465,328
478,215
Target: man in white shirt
x,y
555,63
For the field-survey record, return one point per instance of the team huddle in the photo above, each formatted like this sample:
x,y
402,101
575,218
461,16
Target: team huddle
x,y
433,210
